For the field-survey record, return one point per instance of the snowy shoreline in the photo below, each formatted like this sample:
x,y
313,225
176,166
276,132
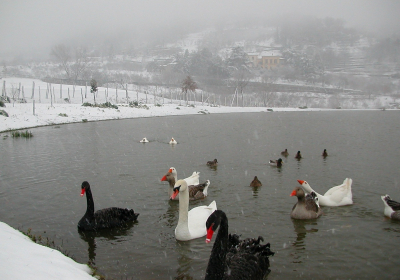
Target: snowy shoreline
x,y
21,258
46,105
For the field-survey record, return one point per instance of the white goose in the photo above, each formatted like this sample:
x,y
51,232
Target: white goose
x,y
336,196
191,224
173,141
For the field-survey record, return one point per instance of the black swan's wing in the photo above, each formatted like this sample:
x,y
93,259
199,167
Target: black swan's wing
x,y
247,259
114,217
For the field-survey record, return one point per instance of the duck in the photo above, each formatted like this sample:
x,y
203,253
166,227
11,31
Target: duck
x,y
232,258
196,192
392,208
336,196
324,153
277,163
255,182
298,155
212,163
113,217
285,153
191,224
173,141
307,206
144,140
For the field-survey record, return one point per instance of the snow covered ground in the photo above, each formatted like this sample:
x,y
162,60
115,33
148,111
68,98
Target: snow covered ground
x,y
62,106
21,258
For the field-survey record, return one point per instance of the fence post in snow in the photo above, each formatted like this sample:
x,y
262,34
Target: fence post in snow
x,y
68,95
23,93
60,91
126,91
116,94
82,95
85,90
33,107
3,92
33,90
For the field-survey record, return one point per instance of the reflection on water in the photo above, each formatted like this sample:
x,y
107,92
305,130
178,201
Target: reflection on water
x,y
170,216
301,232
109,234
255,191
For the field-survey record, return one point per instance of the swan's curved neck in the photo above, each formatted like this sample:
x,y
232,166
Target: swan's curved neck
x,y
183,225
90,203
217,262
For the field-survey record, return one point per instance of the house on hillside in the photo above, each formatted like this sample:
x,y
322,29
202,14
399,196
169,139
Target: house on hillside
x,y
265,59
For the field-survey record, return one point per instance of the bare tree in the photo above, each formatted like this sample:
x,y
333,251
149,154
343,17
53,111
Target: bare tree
x,y
74,66
241,79
63,54
188,84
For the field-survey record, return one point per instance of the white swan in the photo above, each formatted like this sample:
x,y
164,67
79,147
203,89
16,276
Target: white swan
x,y
173,141
144,140
191,224
335,196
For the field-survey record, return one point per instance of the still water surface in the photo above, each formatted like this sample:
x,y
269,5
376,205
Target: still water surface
x,y
40,185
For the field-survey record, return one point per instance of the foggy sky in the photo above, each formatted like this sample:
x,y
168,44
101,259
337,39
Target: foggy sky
x,y
28,26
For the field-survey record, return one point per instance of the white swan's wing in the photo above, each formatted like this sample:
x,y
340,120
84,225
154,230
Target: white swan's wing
x,y
197,219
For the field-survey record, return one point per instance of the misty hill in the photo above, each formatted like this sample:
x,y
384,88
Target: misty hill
x,y
319,56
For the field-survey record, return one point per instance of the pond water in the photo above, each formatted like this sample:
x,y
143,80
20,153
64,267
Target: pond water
x,y
40,182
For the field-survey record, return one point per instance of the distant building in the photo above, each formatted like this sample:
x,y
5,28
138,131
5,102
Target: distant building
x,y
265,59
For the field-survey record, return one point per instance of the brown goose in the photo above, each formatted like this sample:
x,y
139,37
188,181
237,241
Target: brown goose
x,y
307,206
196,190
285,153
324,153
255,182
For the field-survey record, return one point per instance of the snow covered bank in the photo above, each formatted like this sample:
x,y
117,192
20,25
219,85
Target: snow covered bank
x,y
21,258
45,105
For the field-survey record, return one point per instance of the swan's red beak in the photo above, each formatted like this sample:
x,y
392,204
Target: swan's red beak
x,y
300,181
83,192
174,194
164,178
293,193
210,233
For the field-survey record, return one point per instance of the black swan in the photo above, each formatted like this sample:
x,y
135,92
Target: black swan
x,y
232,258
105,218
